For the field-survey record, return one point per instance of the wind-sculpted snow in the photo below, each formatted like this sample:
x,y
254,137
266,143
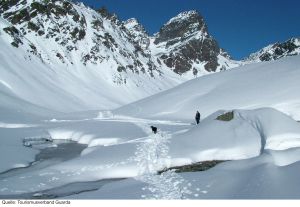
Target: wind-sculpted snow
x,y
248,135
265,135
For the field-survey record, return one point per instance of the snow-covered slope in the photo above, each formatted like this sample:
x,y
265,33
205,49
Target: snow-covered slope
x,y
275,51
88,59
267,84
67,57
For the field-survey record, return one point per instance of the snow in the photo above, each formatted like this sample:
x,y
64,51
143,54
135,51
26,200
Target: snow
x,y
268,84
122,146
182,16
54,102
248,135
275,51
69,84
138,154
230,180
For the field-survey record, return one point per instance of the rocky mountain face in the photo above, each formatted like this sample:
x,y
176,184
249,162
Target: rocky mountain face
x,y
138,33
80,53
184,44
275,51
95,37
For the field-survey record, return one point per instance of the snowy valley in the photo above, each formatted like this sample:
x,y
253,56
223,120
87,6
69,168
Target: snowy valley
x,y
79,90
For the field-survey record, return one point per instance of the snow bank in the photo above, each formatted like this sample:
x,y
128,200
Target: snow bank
x,y
247,135
104,142
95,131
277,130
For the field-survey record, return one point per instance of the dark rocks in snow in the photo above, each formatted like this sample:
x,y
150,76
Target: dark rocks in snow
x,y
198,166
180,26
15,34
97,24
276,51
228,116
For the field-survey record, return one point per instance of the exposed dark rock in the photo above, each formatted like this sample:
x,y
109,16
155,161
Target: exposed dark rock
x,y
187,37
121,69
15,34
97,24
198,166
276,51
33,26
181,26
20,16
228,116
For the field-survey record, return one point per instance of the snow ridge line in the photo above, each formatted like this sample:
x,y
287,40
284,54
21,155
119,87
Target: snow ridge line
x,y
151,156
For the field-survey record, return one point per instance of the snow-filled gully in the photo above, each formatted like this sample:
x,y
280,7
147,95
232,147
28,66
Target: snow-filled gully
x,y
151,156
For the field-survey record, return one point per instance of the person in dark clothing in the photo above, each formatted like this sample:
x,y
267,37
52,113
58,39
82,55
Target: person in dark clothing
x,y
197,117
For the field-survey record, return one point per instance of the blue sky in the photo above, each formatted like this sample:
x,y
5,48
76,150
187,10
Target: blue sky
x,y
240,26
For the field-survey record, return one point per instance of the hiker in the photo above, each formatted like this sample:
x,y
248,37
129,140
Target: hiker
x,y
197,117
154,129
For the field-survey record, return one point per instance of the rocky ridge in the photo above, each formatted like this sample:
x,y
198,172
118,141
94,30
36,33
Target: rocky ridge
x,y
276,51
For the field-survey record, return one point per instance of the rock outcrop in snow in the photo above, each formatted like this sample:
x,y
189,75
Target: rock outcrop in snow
x,y
276,51
138,32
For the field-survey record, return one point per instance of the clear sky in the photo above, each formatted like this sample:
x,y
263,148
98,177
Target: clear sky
x,y
239,26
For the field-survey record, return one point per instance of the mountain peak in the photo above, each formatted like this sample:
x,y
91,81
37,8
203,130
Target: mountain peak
x,y
189,46
183,25
138,32
133,24
130,21
184,15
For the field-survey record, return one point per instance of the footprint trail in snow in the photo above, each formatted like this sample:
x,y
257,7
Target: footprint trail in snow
x,y
151,156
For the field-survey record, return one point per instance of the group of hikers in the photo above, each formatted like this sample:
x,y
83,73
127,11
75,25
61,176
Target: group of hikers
x,y
197,118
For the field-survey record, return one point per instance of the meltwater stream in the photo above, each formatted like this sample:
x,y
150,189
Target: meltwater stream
x,y
56,152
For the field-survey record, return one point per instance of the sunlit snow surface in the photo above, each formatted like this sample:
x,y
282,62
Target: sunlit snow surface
x,y
269,84
262,140
264,143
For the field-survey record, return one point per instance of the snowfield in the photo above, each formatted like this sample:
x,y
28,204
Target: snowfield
x,y
268,84
260,144
263,138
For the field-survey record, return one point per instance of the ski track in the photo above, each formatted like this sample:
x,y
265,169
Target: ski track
x,y
151,156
